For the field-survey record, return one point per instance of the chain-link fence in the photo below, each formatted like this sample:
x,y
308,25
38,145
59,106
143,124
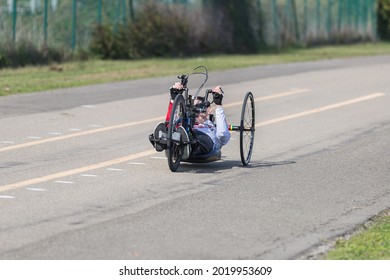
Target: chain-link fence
x,y
68,23
58,23
318,21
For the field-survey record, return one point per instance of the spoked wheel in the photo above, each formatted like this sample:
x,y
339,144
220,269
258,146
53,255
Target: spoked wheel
x,y
174,148
247,128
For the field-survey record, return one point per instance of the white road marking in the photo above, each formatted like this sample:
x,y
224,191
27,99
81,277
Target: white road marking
x,y
114,169
34,137
76,134
88,175
321,109
64,182
95,125
36,189
75,129
6,196
55,133
269,97
79,170
8,142
137,163
158,157
88,106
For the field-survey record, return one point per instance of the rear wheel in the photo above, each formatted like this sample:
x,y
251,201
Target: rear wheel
x,y
174,148
247,128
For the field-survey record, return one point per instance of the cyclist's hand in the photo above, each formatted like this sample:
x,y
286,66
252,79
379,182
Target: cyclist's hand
x,y
176,89
217,95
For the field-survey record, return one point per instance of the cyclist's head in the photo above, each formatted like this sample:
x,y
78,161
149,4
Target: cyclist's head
x,y
198,100
202,109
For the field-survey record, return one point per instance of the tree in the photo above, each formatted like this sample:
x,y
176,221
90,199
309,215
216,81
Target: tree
x,y
239,15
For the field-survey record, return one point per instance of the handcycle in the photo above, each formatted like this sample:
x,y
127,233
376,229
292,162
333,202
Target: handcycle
x,y
183,114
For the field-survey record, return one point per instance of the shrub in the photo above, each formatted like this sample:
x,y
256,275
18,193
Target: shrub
x,y
26,53
384,19
161,30
103,42
3,61
157,31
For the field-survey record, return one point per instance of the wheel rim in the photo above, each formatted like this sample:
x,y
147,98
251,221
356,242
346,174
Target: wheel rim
x,y
176,119
247,129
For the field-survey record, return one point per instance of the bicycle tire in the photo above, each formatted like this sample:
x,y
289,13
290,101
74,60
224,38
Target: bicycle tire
x,y
177,118
247,128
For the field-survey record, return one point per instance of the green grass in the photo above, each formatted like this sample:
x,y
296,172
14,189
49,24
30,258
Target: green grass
x,y
71,74
371,243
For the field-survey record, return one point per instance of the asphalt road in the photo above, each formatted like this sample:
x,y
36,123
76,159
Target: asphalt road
x,y
79,179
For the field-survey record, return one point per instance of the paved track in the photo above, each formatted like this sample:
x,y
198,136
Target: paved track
x,y
79,180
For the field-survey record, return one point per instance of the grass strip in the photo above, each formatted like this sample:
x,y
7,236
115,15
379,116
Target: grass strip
x,y
372,242
80,73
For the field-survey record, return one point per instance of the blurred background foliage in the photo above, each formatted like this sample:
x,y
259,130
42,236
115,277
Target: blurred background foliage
x,y
384,19
44,31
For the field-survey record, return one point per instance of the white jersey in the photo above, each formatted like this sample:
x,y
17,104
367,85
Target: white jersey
x,y
220,134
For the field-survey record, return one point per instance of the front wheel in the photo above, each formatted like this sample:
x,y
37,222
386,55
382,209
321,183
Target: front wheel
x,y
174,148
247,128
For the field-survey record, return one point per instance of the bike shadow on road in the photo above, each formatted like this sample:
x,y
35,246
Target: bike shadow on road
x,y
221,165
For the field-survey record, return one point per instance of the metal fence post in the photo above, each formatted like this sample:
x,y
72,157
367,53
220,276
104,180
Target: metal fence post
x,y
124,12
99,11
318,16
74,24
329,19
305,19
275,22
117,15
45,12
340,15
357,15
364,11
260,18
349,13
374,19
14,15
287,12
295,19
131,8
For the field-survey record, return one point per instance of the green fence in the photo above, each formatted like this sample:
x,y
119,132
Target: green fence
x,y
59,23
68,23
318,21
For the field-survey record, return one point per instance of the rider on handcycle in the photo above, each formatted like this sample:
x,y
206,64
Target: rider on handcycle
x,y
209,137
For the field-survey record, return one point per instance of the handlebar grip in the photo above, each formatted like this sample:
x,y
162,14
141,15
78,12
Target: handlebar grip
x,y
183,80
207,93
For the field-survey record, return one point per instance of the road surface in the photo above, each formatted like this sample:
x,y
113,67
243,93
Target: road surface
x,y
79,179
